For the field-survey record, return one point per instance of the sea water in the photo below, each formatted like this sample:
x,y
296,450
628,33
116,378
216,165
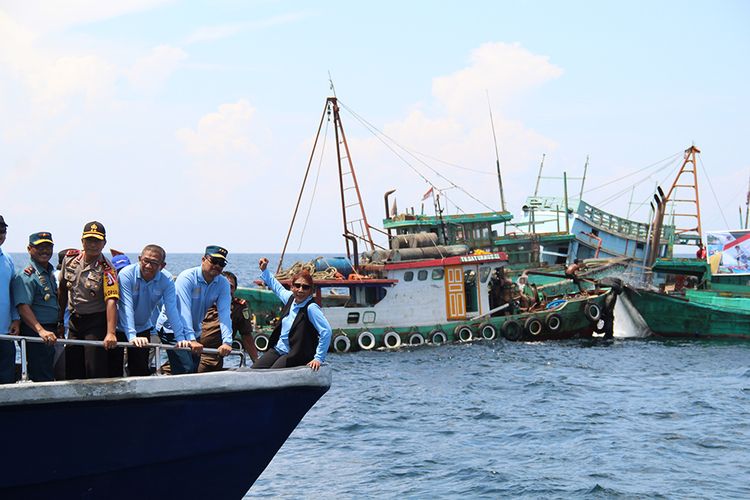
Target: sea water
x,y
625,418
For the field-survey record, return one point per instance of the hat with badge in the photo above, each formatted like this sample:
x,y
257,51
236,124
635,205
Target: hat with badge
x,y
39,238
94,230
217,251
2,222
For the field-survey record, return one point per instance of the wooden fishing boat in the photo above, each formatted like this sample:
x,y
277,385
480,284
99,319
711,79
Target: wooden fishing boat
x,y
433,282
689,302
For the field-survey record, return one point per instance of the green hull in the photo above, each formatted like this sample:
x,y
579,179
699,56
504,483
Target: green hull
x,y
700,313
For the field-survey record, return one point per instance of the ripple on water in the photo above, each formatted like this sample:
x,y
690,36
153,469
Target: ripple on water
x,y
629,419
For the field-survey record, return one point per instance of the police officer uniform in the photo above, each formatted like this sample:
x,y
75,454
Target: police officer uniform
x,y
36,287
89,286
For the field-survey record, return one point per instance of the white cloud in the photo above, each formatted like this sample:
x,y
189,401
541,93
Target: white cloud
x,y
150,72
222,133
504,70
456,139
220,31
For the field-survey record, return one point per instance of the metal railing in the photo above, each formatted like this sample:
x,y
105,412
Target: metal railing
x,y
22,340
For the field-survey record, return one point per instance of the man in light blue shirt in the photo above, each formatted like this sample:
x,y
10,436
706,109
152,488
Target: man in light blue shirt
x,y
143,286
198,288
9,318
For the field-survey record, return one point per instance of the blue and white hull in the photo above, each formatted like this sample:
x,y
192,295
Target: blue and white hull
x,y
185,436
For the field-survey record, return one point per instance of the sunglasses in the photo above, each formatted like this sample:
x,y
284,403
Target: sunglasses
x,y
150,262
215,261
303,286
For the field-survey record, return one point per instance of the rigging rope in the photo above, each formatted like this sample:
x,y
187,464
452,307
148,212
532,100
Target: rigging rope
x,y
315,186
716,199
374,129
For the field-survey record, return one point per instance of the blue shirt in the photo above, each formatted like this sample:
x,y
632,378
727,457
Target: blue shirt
x,y
194,297
8,312
139,299
314,313
37,288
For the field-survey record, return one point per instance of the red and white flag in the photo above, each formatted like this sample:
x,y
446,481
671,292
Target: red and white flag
x,y
427,194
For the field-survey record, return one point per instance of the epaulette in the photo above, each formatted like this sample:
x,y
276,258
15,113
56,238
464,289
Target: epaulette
x,y
28,271
105,265
242,301
72,252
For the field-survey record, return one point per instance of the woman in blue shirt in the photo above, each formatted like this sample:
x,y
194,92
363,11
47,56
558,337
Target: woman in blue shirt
x,y
303,334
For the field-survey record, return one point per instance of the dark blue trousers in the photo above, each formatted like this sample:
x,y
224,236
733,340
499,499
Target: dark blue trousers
x,y
40,357
7,362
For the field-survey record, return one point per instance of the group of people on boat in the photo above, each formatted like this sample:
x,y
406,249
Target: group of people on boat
x,y
109,301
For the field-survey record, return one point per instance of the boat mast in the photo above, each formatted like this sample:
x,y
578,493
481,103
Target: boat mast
x,y
583,180
687,178
747,202
355,224
497,157
539,176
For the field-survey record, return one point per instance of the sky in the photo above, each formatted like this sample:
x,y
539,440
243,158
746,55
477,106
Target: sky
x,y
187,123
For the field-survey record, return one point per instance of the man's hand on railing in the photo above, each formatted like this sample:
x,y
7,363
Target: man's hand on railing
x,y
196,346
139,341
110,341
224,350
15,327
48,337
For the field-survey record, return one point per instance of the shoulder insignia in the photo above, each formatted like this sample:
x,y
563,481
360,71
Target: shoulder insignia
x,y
28,271
72,252
242,301
111,277
105,265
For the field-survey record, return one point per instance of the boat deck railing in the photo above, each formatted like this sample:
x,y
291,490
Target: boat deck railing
x,y
22,340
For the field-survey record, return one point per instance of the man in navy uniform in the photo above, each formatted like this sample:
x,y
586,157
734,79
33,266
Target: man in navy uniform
x,y
88,287
198,288
35,297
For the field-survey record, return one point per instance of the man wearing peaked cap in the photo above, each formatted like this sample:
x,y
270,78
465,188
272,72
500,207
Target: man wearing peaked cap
x,y
89,289
199,288
9,320
35,297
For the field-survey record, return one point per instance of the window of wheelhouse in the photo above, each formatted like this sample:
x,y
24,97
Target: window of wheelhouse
x,y
438,273
409,276
484,273
422,274
374,294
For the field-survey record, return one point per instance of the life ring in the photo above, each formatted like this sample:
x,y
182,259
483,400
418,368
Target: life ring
x,y
554,322
366,341
416,339
438,337
512,330
392,340
533,326
342,343
593,312
261,341
488,331
463,333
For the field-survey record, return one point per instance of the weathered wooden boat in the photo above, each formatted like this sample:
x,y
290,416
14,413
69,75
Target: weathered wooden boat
x,y
434,280
689,303
150,437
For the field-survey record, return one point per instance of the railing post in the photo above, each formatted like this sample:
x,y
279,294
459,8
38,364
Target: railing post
x,y
24,369
157,359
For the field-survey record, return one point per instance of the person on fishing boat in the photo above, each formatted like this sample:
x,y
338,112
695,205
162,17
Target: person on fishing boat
x,y
241,323
572,270
88,287
303,334
142,287
198,288
35,297
9,319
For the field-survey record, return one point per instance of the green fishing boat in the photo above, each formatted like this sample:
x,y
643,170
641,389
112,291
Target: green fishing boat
x,y
689,303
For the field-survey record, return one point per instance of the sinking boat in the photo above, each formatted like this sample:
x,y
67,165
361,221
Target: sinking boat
x,y
179,436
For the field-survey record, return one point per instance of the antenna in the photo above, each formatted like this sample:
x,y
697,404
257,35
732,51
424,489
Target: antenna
x,y
497,155
330,82
583,181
